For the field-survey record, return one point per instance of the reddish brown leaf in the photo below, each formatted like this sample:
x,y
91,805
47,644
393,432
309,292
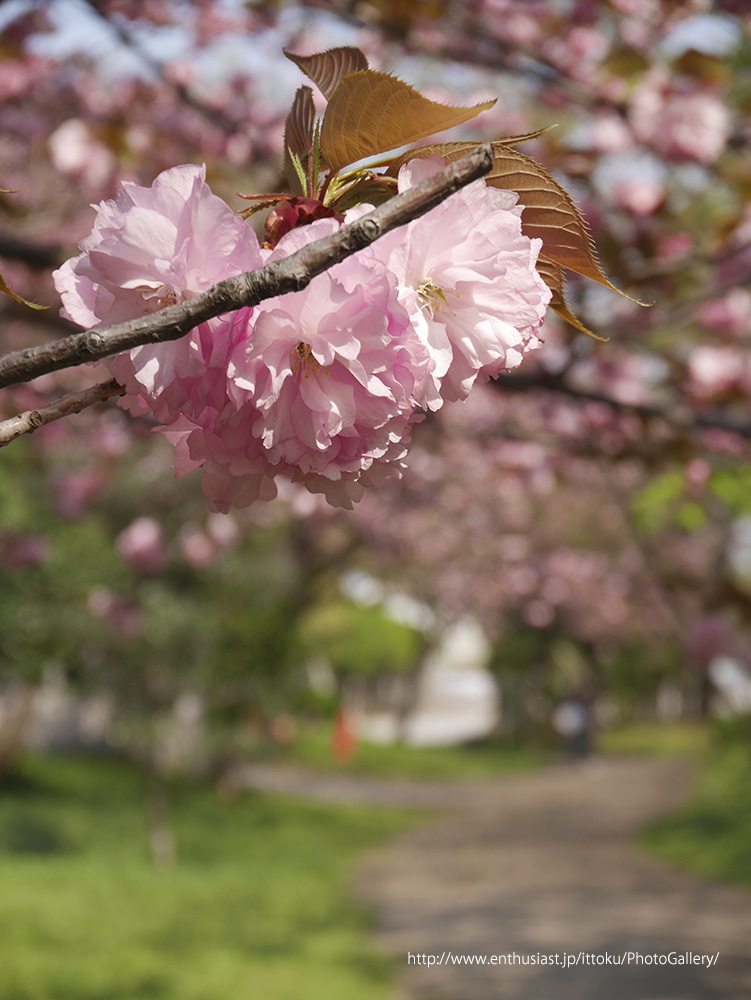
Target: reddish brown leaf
x,y
327,69
298,130
552,274
298,133
514,140
373,112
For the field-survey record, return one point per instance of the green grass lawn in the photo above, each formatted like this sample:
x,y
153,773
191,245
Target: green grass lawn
x,y
656,739
483,759
712,833
256,904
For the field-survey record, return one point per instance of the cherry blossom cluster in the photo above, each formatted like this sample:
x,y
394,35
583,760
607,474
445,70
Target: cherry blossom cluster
x,y
320,386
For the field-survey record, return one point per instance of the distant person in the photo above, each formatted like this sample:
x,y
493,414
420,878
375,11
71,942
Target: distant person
x,y
572,719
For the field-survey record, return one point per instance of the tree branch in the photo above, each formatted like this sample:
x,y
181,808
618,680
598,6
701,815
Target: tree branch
x,y
33,254
212,114
677,414
72,402
288,275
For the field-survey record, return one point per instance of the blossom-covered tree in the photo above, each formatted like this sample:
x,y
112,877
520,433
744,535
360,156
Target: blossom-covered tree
x,y
564,492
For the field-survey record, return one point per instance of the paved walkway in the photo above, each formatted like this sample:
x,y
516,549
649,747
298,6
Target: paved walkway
x,y
545,863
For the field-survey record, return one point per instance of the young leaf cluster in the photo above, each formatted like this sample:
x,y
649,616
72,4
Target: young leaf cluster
x,y
370,113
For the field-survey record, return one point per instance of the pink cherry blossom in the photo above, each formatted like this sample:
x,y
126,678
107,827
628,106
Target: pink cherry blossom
x,y
19,550
732,312
319,387
196,547
223,530
153,247
468,280
75,150
74,490
610,134
679,122
716,370
142,545
674,246
324,389
642,196
236,471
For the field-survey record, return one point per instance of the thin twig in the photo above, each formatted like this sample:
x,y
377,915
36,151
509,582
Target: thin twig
x,y
212,114
677,415
72,402
34,254
288,275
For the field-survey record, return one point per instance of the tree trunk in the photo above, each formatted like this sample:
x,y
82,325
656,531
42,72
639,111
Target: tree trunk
x,y
161,838
15,726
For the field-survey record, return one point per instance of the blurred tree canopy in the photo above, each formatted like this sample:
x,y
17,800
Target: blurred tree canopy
x,y
600,494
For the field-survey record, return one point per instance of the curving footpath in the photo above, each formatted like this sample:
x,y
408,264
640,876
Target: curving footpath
x,y
547,864
542,865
